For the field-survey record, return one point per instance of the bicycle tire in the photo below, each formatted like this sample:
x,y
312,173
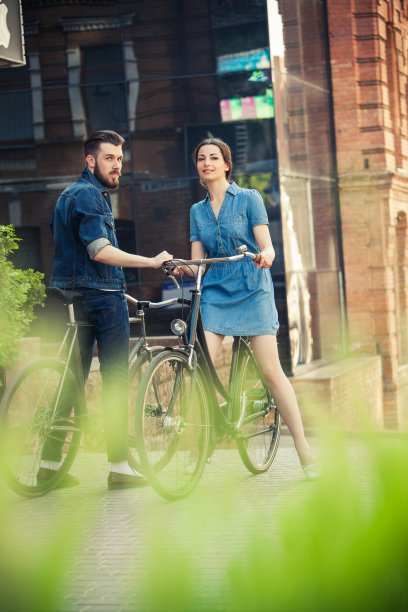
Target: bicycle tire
x,y
257,416
26,425
173,425
135,374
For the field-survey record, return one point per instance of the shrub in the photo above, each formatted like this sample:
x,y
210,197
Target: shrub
x,y
20,291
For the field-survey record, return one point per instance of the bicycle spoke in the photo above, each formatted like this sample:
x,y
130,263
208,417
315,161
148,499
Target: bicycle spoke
x,y
135,376
174,425
35,426
258,421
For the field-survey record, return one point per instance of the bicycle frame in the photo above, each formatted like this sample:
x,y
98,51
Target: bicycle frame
x,y
196,343
142,343
239,345
184,411
70,340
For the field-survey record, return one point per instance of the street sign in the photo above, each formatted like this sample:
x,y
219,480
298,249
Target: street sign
x,y
11,34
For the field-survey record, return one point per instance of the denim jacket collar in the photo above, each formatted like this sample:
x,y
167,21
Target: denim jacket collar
x,y
89,176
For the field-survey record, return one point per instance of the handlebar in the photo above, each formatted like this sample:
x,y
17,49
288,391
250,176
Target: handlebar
x,y
145,304
242,252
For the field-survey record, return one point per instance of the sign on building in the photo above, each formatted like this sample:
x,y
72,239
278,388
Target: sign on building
x,y
11,34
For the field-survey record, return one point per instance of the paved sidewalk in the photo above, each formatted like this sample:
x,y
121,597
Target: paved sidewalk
x,y
120,530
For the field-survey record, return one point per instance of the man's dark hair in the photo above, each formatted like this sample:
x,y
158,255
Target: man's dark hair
x,y
94,140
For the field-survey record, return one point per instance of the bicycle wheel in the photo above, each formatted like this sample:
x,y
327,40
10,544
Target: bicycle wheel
x,y
136,372
256,416
34,427
173,425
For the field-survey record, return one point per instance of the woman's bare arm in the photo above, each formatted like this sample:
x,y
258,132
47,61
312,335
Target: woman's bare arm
x,y
264,242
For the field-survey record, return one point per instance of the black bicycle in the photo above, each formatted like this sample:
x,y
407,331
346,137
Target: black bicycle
x,y
45,405
179,418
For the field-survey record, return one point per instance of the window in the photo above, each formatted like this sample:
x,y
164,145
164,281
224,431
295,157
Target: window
x,y
28,254
104,88
15,104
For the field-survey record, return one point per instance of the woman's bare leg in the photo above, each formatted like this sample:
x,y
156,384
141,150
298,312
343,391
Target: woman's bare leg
x,y
214,342
266,353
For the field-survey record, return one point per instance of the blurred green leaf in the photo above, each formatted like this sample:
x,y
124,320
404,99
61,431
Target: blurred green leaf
x,y
21,290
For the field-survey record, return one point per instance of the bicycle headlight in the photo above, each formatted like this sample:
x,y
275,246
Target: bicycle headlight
x,y
178,327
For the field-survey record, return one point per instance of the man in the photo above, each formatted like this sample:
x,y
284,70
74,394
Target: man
x,y
87,259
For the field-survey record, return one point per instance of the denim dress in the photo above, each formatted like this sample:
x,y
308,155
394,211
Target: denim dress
x,y
237,297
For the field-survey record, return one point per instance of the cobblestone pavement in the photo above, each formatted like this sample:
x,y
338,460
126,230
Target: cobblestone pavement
x,y
118,530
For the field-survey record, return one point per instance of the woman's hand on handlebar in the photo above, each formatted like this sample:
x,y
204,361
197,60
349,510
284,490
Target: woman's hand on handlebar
x,y
177,268
182,270
177,271
266,258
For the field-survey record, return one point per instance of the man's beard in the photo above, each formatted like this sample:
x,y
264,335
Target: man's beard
x,y
114,180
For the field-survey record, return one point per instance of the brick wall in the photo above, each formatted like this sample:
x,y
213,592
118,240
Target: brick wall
x,y
347,393
368,48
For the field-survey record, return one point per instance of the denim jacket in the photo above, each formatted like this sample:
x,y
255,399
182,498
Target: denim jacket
x,y
82,224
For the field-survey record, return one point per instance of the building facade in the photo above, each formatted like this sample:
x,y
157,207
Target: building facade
x,y
311,97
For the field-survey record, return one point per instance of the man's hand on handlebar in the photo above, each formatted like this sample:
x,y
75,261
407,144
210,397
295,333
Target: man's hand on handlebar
x,y
159,259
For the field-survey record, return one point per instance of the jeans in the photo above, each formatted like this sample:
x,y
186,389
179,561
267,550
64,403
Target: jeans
x,y
108,316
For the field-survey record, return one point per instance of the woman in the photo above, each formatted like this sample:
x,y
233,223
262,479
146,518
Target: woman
x,y
238,298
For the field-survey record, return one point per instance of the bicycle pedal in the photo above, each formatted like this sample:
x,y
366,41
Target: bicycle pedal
x,y
255,394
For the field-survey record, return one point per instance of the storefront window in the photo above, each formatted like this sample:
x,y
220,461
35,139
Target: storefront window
x,y
306,176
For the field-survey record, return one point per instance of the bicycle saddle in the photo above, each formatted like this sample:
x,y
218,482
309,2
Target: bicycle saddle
x,y
67,296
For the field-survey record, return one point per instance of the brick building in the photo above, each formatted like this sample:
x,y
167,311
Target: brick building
x,y
311,96
368,48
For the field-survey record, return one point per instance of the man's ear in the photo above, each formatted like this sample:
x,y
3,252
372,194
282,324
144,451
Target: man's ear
x,y
90,160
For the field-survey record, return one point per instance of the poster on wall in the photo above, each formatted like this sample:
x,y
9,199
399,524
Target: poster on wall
x,y
11,34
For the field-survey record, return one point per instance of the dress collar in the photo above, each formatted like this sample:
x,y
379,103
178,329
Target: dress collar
x,y
233,189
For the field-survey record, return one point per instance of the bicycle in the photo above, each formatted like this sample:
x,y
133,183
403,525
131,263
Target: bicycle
x,y
179,420
45,403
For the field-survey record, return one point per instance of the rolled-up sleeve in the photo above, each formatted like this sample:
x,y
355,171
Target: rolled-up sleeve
x,y
95,246
256,209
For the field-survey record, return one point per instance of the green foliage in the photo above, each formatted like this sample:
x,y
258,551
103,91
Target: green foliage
x,y
337,544
20,291
344,548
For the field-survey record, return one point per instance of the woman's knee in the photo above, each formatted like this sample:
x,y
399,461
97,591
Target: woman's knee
x,y
273,375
